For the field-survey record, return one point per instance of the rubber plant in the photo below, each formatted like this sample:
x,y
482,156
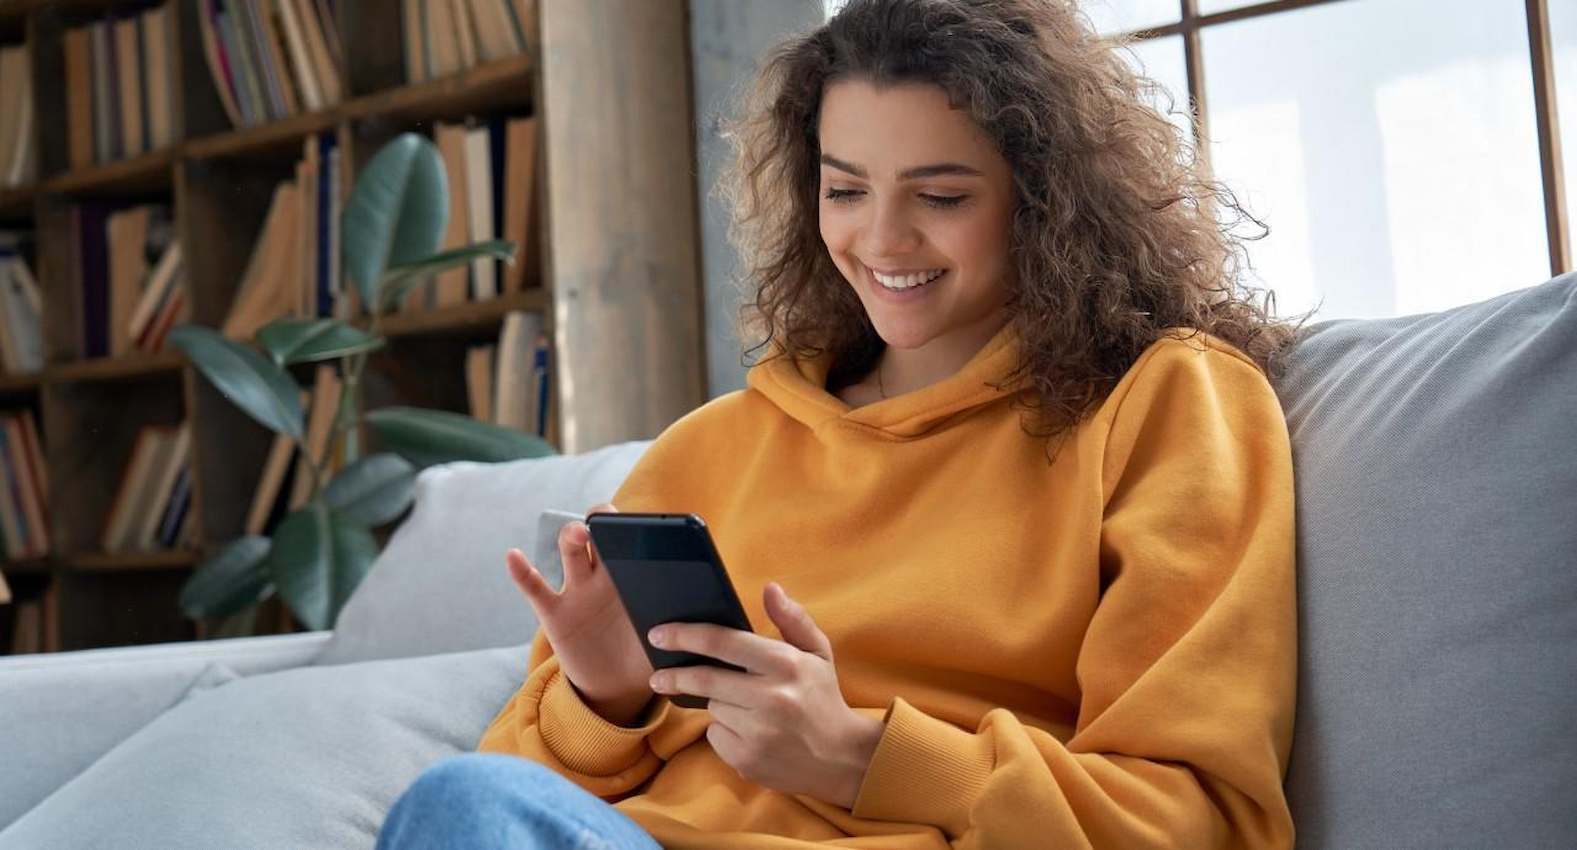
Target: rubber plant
x,y
392,227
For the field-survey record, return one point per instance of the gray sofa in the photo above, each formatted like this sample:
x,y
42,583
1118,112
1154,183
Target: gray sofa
x,y
1437,509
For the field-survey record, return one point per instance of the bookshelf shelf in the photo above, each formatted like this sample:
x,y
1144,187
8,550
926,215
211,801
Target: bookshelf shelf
x,y
139,175
120,562
10,383
275,136
116,368
28,566
503,83
619,56
17,202
469,315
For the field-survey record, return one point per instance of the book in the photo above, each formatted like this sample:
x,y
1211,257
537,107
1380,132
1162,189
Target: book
x,y
18,542
520,161
271,483
443,44
514,400
465,32
326,390
27,629
91,219
479,210
175,459
450,287
79,97
412,18
495,35
300,57
21,332
150,444
128,70
541,377
161,282
479,381
323,48
158,74
266,292
218,64
128,234
105,121
31,500
273,53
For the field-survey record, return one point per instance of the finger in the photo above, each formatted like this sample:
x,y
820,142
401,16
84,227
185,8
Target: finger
x,y
741,690
794,622
728,744
754,652
574,552
604,508
536,588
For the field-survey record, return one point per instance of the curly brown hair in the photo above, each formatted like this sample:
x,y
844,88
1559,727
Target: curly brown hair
x,y
1116,236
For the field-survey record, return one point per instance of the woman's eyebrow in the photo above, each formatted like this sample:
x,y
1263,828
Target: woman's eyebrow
x,y
915,173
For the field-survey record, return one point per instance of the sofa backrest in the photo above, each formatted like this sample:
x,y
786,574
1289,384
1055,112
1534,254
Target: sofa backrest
x,y
1435,459
440,584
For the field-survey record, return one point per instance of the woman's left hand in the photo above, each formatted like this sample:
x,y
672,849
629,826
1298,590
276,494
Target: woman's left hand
x,y
783,722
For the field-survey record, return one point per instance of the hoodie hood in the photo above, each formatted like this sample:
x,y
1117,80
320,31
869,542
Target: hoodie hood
x,y
799,389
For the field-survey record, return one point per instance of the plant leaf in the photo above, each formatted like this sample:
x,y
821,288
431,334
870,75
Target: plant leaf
x,y
396,213
231,580
318,560
373,490
427,437
290,341
398,279
263,390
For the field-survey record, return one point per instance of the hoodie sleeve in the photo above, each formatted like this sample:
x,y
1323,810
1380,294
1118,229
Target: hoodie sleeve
x,y
1188,665
547,721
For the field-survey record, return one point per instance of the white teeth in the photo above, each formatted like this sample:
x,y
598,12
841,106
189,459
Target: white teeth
x,y
907,281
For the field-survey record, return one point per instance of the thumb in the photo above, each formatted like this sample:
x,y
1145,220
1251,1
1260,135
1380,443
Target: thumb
x,y
794,622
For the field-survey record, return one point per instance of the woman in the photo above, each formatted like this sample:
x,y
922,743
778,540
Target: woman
x,y
1011,485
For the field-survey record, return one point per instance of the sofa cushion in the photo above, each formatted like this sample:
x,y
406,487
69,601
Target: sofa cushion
x,y
54,721
309,757
1437,527
440,585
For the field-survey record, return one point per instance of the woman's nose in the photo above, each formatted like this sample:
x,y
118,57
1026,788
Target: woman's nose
x,y
890,233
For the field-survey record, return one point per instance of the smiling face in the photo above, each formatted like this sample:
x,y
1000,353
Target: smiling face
x,y
916,208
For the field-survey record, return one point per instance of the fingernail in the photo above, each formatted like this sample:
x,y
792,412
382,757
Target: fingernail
x,y
657,636
659,682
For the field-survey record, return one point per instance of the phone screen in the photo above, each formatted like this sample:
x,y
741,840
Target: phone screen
x,y
666,569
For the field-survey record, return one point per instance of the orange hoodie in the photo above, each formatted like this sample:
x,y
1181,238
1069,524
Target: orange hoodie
x,y
1099,652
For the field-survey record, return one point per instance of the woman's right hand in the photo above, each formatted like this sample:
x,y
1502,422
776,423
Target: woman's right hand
x,y
587,626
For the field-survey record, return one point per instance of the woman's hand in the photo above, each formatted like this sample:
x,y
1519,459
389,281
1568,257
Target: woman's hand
x,y
782,723
587,626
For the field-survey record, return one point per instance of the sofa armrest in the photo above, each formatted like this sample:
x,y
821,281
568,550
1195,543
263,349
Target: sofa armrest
x,y
60,711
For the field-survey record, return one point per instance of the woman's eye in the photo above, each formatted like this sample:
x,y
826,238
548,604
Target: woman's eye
x,y
937,201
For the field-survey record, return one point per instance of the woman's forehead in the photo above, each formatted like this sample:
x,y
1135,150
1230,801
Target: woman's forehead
x,y
886,130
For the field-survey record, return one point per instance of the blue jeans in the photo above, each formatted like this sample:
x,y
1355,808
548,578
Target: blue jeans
x,y
487,800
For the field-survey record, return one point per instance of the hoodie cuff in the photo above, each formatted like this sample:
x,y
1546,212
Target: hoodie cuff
x,y
925,771
585,741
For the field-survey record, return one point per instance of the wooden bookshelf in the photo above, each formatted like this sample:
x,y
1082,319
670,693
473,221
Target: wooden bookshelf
x,y
218,181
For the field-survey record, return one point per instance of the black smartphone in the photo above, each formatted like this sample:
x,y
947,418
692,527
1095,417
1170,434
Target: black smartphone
x,y
666,569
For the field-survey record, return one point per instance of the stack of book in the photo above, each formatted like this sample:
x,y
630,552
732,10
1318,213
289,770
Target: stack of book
x,y
508,384
23,488
152,507
21,306
443,37
120,86
18,153
286,482
271,59
130,278
293,269
490,167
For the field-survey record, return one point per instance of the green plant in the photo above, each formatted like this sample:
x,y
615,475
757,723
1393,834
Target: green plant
x,y
391,229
